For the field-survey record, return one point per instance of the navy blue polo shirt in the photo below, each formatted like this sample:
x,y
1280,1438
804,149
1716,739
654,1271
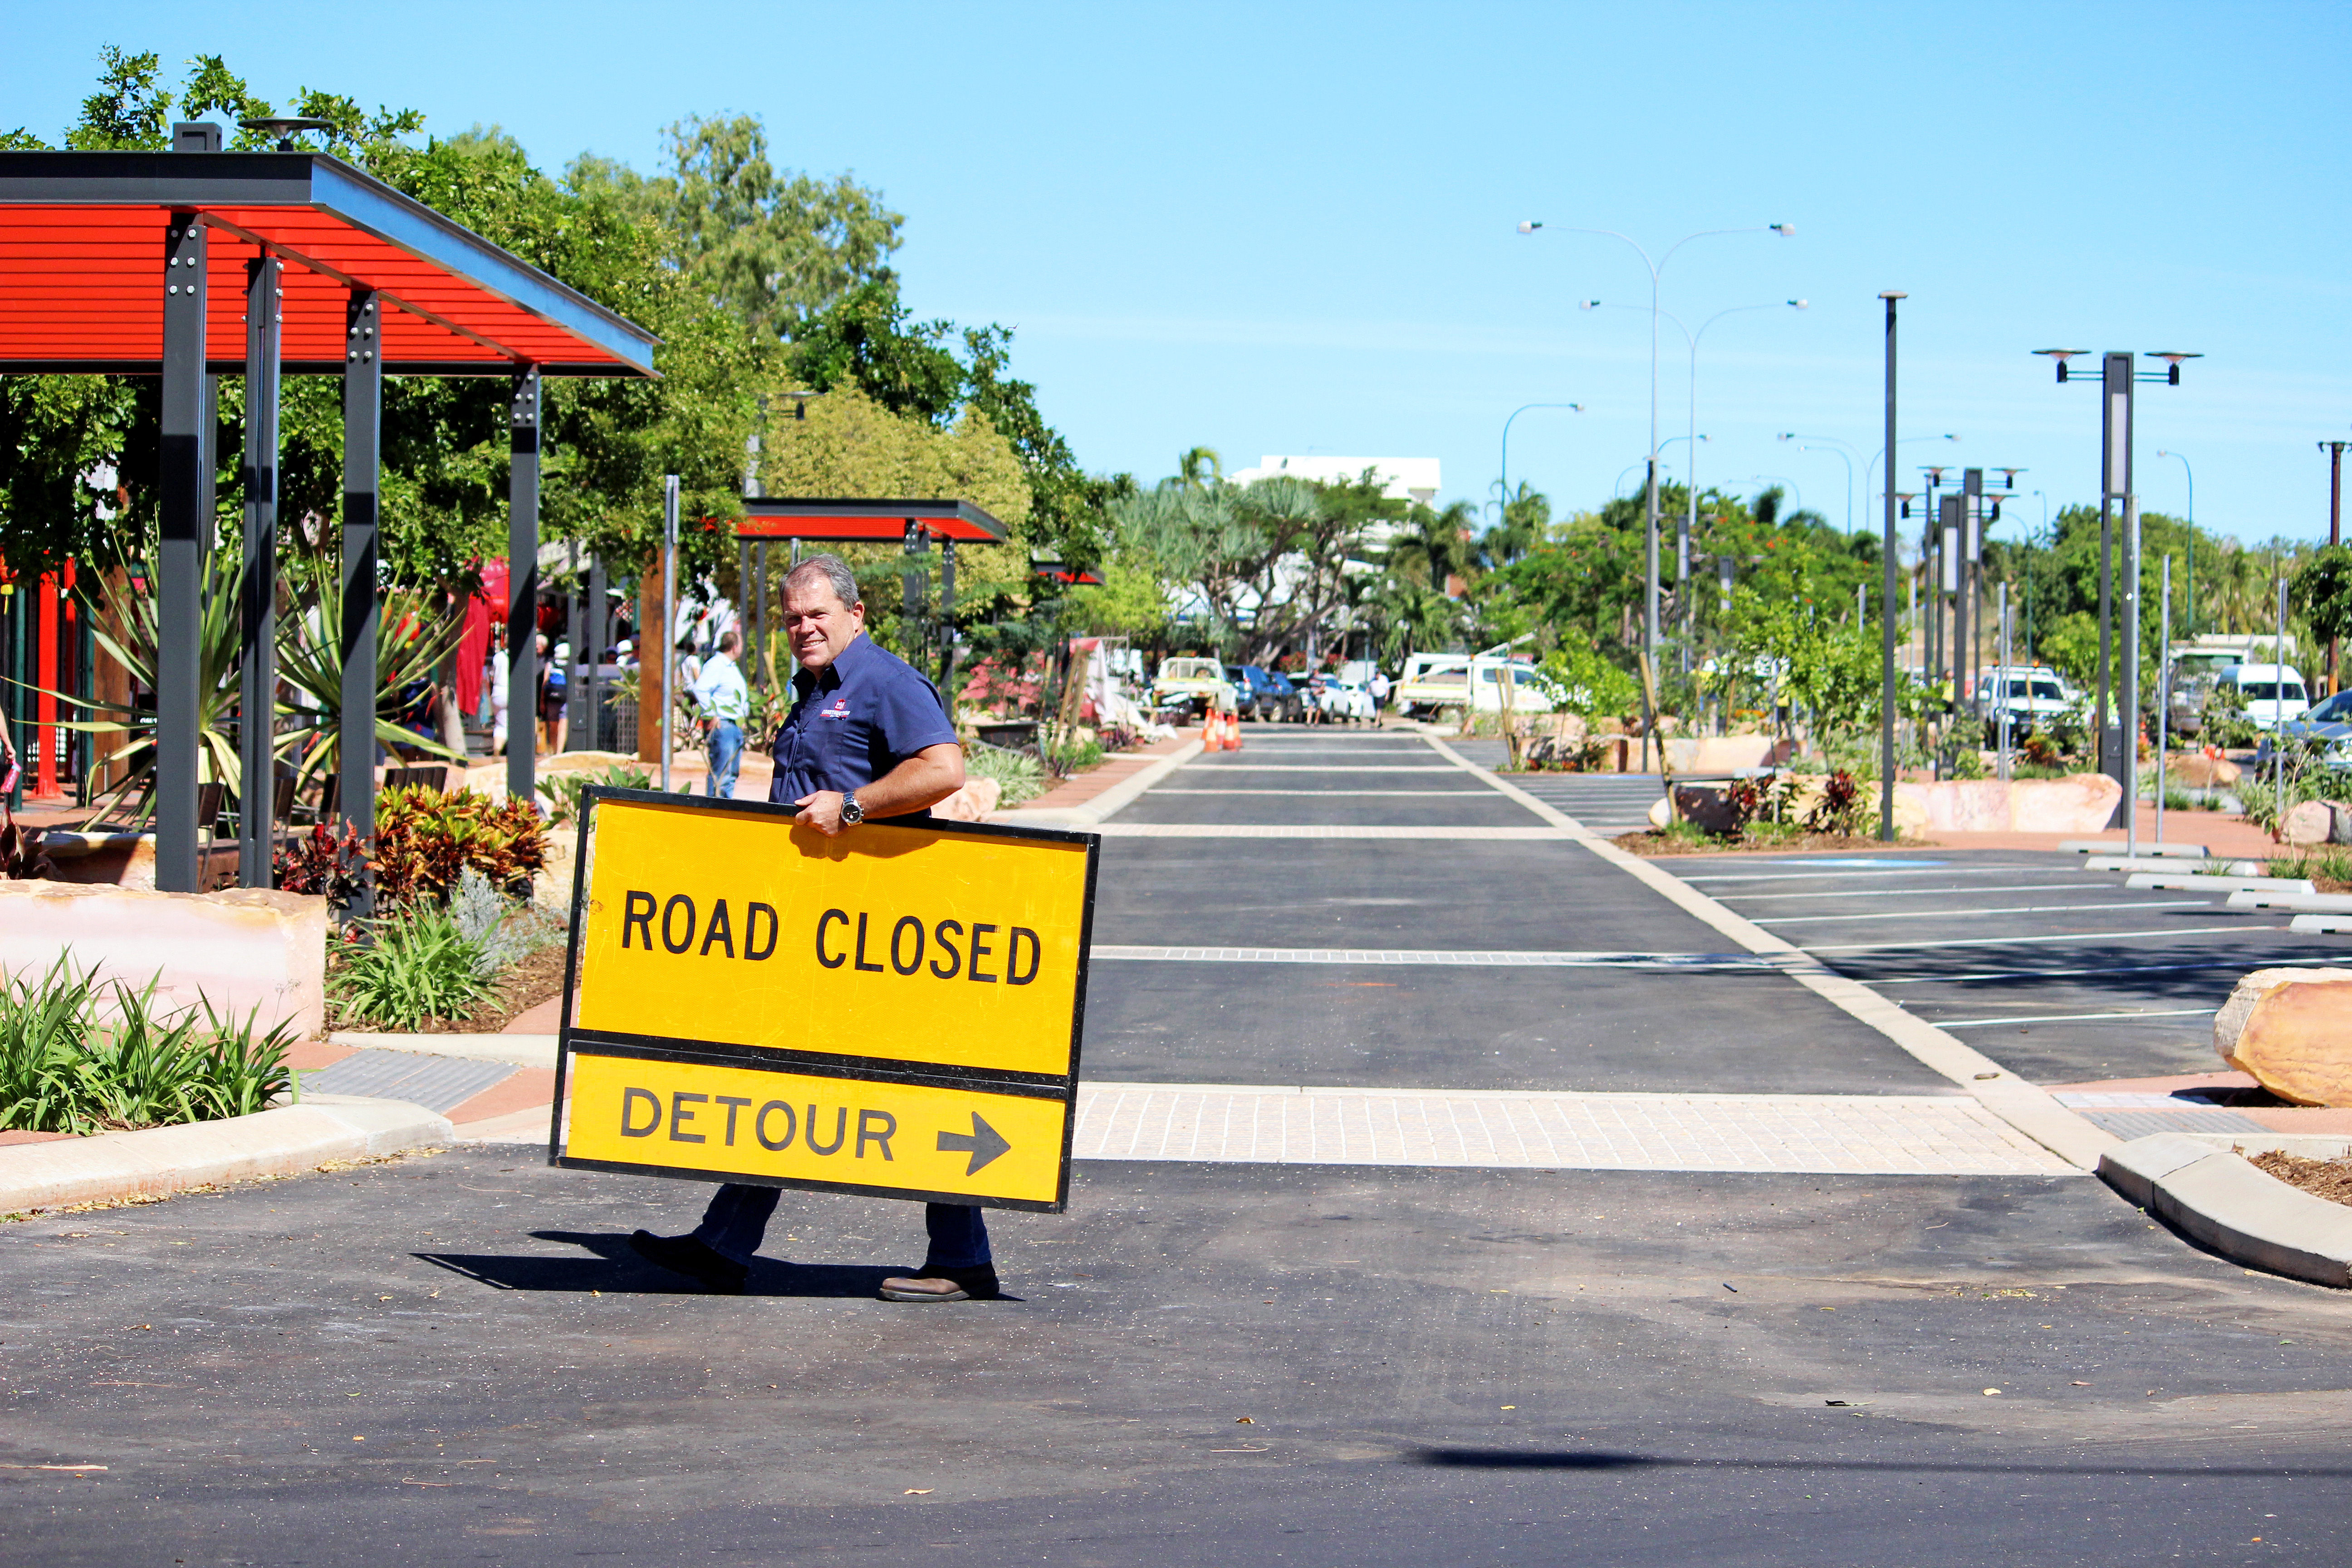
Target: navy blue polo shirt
x,y
864,714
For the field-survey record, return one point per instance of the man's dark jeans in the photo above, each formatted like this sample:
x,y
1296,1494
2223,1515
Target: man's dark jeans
x,y
739,1212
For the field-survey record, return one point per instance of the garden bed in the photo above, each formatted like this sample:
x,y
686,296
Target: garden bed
x,y
535,978
1656,842
2329,1178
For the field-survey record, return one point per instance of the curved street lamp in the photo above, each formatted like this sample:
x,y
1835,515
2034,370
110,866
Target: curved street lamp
x,y
1650,507
2191,608
1838,449
1503,507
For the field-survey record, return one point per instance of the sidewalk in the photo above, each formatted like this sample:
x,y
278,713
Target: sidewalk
x,y
1080,788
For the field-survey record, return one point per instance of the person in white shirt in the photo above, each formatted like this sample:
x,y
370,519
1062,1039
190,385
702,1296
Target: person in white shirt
x,y
721,701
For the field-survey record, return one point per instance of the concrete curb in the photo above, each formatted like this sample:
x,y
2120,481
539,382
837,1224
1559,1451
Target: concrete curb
x,y
1118,797
522,1050
2031,1110
157,1161
2218,1200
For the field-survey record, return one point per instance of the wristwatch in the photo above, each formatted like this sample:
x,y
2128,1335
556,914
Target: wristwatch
x,y
851,812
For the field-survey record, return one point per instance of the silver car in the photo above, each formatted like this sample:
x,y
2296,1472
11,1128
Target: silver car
x,y
2327,728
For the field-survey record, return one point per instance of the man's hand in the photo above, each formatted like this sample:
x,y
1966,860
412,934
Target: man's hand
x,y
821,811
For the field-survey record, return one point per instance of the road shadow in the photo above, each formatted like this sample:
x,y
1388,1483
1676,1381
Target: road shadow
x,y
614,1268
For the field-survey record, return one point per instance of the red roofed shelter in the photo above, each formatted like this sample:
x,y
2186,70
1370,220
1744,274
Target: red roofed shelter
x,y
197,262
859,521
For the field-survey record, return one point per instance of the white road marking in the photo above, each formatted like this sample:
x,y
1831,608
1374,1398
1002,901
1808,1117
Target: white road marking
x,y
2018,941
1116,829
1329,794
1855,1134
1843,873
1501,958
1870,893
2074,1018
2011,909
2110,969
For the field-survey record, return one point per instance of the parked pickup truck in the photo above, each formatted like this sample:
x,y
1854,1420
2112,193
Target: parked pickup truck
x,y
1440,685
1197,685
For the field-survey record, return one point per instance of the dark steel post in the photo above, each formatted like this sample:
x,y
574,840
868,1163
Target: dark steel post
x,y
2334,533
258,591
187,462
1966,611
600,638
2115,483
910,590
522,582
363,449
947,621
575,629
1886,574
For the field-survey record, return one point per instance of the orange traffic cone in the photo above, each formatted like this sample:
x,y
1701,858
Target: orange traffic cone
x,y
1233,731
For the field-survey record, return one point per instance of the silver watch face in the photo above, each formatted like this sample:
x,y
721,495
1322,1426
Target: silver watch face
x,y
850,810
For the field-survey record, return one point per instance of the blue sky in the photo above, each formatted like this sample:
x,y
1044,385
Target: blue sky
x,y
1292,228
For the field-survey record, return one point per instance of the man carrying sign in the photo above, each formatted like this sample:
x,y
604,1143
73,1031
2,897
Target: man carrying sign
x,y
869,738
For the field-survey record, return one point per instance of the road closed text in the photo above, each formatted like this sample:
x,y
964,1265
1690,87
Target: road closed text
x,y
988,953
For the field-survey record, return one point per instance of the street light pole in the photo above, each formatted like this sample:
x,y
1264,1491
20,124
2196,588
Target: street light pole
x,y
1504,507
1650,498
1838,448
2190,606
2335,450
1886,606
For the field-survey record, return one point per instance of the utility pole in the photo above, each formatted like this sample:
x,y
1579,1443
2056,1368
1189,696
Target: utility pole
x,y
2335,450
2118,375
1886,603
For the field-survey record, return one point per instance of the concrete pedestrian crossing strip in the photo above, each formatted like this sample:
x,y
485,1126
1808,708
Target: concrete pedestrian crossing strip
x,y
2135,1114
1509,1130
1474,958
436,1083
1115,828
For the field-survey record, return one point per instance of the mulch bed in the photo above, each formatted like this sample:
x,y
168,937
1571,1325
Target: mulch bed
x,y
2329,1178
1658,844
532,980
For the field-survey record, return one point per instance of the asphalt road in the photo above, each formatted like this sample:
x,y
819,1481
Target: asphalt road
x,y
456,1358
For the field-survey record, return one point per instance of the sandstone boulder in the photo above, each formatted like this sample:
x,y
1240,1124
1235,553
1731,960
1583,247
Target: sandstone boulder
x,y
2317,822
2292,1029
2198,770
972,803
248,949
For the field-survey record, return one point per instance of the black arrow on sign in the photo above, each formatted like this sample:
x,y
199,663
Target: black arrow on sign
x,y
983,1143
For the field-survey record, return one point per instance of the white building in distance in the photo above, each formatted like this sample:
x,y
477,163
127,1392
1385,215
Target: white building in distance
x,y
1402,478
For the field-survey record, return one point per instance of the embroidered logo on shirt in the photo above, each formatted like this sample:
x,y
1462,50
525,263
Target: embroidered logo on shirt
x,y
840,709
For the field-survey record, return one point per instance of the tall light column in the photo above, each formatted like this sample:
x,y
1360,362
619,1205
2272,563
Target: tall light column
x,y
1887,604
1650,500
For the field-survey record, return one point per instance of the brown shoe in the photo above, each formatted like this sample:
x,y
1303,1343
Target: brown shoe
x,y
944,1285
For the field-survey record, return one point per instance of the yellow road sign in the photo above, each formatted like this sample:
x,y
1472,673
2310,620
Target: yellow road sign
x,y
920,987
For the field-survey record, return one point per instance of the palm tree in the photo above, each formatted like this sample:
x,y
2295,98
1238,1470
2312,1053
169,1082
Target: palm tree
x,y
1434,547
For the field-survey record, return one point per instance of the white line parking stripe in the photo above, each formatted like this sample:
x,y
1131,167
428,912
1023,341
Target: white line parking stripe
x,y
2064,973
1322,767
1876,893
2117,909
2018,941
1843,873
1116,829
2074,1018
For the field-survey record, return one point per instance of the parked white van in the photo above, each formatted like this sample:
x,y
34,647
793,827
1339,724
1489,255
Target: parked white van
x,y
2270,693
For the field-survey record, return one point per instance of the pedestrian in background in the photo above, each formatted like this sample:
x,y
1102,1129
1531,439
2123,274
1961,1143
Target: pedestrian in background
x,y
868,738
721,703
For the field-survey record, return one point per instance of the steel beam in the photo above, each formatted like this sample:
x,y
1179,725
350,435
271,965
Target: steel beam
x,y
363,451
257,585
184,483
522,585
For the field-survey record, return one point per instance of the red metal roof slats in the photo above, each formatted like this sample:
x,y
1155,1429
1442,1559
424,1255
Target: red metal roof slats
x,y
82,279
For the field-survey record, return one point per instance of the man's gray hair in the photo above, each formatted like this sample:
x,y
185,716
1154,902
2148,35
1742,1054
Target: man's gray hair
x,y
833,570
